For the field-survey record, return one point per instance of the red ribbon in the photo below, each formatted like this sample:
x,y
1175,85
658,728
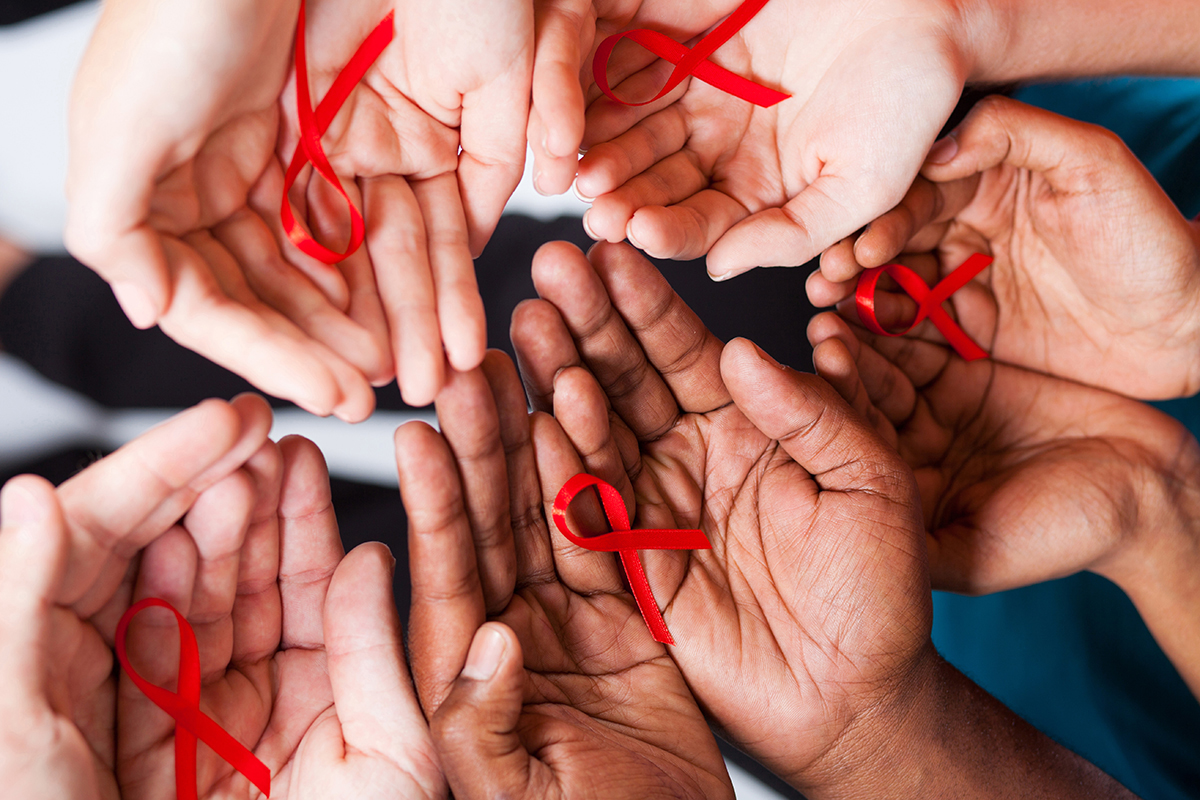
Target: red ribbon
x,y
314,125
929,302
627,542
190,722
691,62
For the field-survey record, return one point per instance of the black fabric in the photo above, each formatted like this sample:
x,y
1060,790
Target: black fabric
x,y
14,11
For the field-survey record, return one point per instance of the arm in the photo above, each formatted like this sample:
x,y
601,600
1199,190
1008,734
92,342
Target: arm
x,y
1020,39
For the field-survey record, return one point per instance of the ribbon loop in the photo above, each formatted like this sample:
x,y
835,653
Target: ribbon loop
x,y
692,61
626,542
929,301
313,126
184,707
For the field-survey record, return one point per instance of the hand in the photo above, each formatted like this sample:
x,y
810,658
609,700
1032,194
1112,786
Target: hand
x,y
63,557
539,677
702,172
300,647
815,592
1025,478
175,201
1096,275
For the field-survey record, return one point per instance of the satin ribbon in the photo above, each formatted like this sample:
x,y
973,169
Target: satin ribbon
x,y
313,126
184,707
929,301
691,62
627,542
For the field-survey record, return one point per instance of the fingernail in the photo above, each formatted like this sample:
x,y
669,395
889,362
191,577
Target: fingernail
x,y
588,228
943,150
633,239
764,356
20,508
487,648
136,304
575,189
537,183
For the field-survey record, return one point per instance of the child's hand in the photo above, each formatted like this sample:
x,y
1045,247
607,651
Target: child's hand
x,y
1096,275
703,172
538,675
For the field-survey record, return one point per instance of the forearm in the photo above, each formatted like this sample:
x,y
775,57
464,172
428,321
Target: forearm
x,y
1025,39
1160,572
952,739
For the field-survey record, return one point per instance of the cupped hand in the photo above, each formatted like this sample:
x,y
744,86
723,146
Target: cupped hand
x,y
65,558
1023,477
300,650
174,191
815,593
1096,274
538,675
702,172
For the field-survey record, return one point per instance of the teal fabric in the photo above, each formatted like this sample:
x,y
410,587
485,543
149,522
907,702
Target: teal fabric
x,y
1072,656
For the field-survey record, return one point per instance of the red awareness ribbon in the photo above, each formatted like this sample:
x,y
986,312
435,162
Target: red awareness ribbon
x,y
313,126
692,61
626,542
190,722
929,302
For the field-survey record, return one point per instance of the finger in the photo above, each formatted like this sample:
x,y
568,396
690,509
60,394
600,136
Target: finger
x,y
676,343
399,252
372,691
687,229
272,353
471,427
460,308
118,505
256,610
635,75
581,409
557,114
826,211
476,729
926,204
814,425
33,546
309,545
217,524
670,181
636,390
447,598
582,571
999,130
609,164
839,259
868,381
531,543
544,346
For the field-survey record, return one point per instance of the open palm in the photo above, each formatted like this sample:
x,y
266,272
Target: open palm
x,y
300,651
580,701
815,587
702,172
1096,274
1023,477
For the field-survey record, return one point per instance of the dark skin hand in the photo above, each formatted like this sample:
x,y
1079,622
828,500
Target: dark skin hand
x,y
537,673
816,591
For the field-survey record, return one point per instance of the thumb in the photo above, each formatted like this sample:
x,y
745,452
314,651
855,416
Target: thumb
x,y
475,728
32,555
1003,131
814,425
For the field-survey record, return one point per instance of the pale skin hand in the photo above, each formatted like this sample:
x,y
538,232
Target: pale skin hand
x,y
702,172
300,646
1026,478
63,562
1096,275
538,674
816,591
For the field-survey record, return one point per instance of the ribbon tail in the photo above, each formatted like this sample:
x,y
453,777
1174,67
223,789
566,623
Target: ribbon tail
x,y
644,597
